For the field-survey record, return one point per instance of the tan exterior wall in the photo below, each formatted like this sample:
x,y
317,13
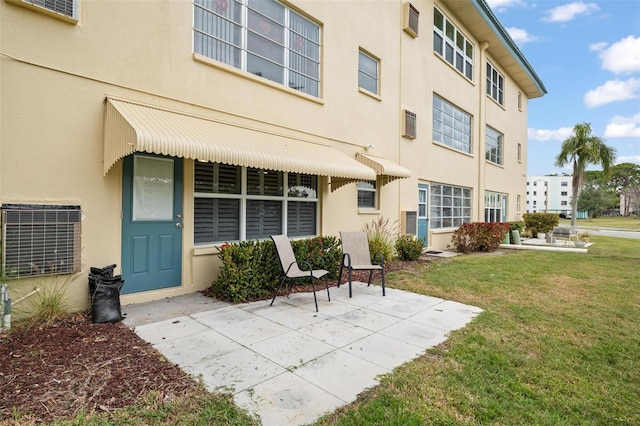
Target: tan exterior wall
x,y
55,77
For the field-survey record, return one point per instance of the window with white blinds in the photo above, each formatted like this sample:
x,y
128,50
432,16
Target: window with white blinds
x,y
263,37
235,203
40,239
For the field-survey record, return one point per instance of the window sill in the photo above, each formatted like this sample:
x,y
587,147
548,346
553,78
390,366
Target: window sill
x,y
496,102
443,230
368,211
44,11
495,164
248,76
440,144
207,250
370,94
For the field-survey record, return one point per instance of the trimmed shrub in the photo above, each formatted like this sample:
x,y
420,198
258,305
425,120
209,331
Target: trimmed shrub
x,y
251,269
540,222
409,247
478,236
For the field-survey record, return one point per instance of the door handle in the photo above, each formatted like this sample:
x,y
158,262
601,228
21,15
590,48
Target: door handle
x,y
179,225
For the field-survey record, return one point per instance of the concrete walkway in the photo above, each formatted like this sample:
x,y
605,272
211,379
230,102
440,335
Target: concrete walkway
x,y
287,364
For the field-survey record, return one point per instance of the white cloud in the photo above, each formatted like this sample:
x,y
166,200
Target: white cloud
x,y
623,127
612,91
519,35
628,159
568,12
621,57
544,135
500,5
597,47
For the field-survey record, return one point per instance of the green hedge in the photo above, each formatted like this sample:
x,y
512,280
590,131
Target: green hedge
x,y
540,222
251,269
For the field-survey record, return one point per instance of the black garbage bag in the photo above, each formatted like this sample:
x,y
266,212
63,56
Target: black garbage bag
x,y
104,290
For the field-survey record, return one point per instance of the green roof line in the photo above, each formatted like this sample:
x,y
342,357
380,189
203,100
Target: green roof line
x,y
492,20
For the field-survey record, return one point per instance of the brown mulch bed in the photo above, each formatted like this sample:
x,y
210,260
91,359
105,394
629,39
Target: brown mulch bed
x,y
72,365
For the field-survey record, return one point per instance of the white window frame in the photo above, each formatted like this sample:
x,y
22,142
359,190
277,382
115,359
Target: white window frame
x,y
224,39
495,85
370,188
451,125
287,195
494,146
452,45
449,206
368,79
495,206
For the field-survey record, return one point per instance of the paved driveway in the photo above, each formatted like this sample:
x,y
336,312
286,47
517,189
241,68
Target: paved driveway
x,y
288,364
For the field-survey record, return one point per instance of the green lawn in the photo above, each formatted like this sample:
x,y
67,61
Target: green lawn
x,y
558,343
607,222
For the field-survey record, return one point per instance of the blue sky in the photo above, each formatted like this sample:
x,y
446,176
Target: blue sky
x,y
587,54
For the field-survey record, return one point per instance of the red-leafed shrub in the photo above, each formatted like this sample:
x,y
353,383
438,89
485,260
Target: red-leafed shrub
x,y
478,236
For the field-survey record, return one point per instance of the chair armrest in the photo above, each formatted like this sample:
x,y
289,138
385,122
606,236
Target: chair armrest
x,y
347,257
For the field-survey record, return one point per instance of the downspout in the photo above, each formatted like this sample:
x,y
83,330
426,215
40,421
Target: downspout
x,y
482,122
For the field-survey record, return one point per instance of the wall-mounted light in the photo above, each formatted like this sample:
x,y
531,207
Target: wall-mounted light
x,y
368,147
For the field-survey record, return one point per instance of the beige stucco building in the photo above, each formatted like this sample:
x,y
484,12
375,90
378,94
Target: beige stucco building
x,y
147,133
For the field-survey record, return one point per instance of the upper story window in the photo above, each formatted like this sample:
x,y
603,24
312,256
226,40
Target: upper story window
x,y
495,85
452,45
368,72
493,146
564,183
367,194
64,9
451,126
262,37
519,152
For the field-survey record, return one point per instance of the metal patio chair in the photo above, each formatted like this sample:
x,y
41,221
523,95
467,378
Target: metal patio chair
x,y
291,269
356,257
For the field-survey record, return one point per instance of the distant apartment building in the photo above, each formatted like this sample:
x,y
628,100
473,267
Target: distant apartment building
x,y
551,194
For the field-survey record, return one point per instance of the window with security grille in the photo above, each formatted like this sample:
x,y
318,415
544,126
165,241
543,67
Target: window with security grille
x,y
40,239
263,37
233,203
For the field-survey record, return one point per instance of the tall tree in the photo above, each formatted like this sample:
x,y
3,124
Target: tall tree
x,y
582,149
625,181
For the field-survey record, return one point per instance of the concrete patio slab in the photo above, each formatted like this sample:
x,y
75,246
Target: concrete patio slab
x,y
288,364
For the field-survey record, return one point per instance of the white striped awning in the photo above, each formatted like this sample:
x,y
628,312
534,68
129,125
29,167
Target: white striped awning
x,y
132,127
386,169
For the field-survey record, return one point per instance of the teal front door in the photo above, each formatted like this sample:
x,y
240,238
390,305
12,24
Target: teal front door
x,y
151,223
423,214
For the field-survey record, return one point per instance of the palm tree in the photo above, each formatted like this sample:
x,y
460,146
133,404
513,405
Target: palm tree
x,y
582,149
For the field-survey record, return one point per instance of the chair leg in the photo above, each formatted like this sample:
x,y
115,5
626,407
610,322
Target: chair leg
x,y
370,274
349,275
313,286
340,275
326,284
382,279
277,291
